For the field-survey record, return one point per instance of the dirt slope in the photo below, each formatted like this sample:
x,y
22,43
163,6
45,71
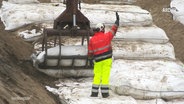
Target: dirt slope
x,y
17,83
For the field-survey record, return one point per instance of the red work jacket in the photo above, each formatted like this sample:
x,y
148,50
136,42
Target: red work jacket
x,y
100,45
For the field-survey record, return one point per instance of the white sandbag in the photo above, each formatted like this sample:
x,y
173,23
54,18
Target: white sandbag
x,y
65,51
142,50
154,101
177,9
129,15
60,73
78,92
23,1
18,15
151,34
148,79
118,1
56,1
30,35
160,101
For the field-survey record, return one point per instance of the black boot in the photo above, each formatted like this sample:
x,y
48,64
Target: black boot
x,y
94,94
105,95
105,91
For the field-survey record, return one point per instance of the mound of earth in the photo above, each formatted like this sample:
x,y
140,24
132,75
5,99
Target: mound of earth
x,y
19,82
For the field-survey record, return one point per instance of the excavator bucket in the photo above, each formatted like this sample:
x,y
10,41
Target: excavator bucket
x,y
70,23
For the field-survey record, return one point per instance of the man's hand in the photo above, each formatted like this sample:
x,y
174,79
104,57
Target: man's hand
x,y
90,58
117,16
91,63
117,19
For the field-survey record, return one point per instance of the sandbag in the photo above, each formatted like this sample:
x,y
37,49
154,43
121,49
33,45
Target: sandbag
x,y
148,79
154,101
160,101
23,1
56,1
30,35
177,9
142,50
118,1
65,51
16,15
152,34
129,15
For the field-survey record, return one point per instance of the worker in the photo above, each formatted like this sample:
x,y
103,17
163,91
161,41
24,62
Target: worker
x,y
100,51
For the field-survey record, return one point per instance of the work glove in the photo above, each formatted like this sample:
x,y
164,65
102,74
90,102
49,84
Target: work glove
x,y
91,61
117,19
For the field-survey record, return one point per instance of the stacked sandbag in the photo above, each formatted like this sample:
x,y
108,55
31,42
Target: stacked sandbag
x,y
130,42
23,1
122,50
56,1
129,15
17,15
160,101
142,50
118,1
148,79
148,34
135,42
144,64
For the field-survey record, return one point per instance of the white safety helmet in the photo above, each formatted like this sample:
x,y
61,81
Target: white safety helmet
x,y
100,27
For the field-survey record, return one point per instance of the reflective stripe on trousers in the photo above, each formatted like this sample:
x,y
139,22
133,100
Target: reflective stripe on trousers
x,y
104,89
95,88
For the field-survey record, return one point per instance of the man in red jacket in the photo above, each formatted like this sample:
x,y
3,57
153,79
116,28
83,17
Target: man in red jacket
x,y
100,50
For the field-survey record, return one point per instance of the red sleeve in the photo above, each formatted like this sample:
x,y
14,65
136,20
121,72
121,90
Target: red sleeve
x,y
114,29
112,32
90,49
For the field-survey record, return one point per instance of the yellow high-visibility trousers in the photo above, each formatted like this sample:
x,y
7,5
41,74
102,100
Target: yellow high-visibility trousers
x,y
102,72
